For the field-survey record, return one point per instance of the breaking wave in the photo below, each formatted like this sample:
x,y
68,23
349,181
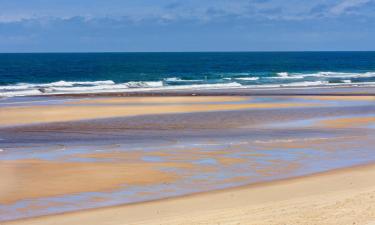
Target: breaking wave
x,y
285,75
238,80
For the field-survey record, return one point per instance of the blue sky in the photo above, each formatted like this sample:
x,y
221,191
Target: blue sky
x,y
186,25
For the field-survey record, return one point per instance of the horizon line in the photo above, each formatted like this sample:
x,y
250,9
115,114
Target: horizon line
x,y
115,52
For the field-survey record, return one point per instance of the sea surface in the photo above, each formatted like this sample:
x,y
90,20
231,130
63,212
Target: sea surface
x,y
47,73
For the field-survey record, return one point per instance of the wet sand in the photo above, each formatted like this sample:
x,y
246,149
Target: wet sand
x,y
348,122
347,98
10,116
164,100
339,197
26,178
83,153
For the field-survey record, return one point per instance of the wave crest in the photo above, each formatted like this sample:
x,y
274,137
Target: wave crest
x,y
283,79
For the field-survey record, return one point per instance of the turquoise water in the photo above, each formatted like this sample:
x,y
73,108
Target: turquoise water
x,y
34,74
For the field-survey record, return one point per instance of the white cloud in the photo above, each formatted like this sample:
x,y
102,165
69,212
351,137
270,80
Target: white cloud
x,y
8,18
190,10
346,5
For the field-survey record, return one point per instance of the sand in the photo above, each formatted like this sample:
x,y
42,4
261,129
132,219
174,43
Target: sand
x,y
163,100
26,179
341,98
348,122
10,116
340,197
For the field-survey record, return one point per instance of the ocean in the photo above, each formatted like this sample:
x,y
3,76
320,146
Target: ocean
x,y
58,73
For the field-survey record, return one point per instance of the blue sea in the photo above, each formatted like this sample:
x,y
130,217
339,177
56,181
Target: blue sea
x,y
57,73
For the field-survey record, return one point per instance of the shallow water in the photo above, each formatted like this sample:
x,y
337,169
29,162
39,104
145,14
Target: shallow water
x,y
201,151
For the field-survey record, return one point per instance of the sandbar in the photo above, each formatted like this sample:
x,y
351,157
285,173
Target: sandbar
x,y
345,196
10,116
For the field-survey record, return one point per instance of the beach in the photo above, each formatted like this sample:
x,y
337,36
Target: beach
x,y
167,112
189,158
344,196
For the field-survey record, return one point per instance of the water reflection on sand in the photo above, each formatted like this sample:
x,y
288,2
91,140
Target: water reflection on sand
x,y
70,165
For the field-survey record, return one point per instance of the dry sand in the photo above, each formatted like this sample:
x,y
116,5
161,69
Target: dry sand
x,y
342,197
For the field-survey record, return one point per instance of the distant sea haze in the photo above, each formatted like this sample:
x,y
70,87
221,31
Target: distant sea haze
x,y
36,74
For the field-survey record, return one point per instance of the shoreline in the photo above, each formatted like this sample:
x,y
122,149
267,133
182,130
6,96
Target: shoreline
x,y
286,91
295,91
221,109
326,179
344,90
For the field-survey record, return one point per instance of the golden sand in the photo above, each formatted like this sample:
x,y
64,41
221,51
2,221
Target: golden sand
x,y
335,198
230,160
162,100
133,156
341,98
343,197
59,113
23,179
348,122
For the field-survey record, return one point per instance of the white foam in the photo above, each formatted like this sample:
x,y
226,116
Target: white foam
x,y
67,87
335,75
85,89
20,86
177,79
343,75
213,86
25,86
105,87
247,78
172,79
285,75
305,84
71,84
142,84
20,93
73,87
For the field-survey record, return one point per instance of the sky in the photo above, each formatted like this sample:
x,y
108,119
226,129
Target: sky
x,y
186,25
